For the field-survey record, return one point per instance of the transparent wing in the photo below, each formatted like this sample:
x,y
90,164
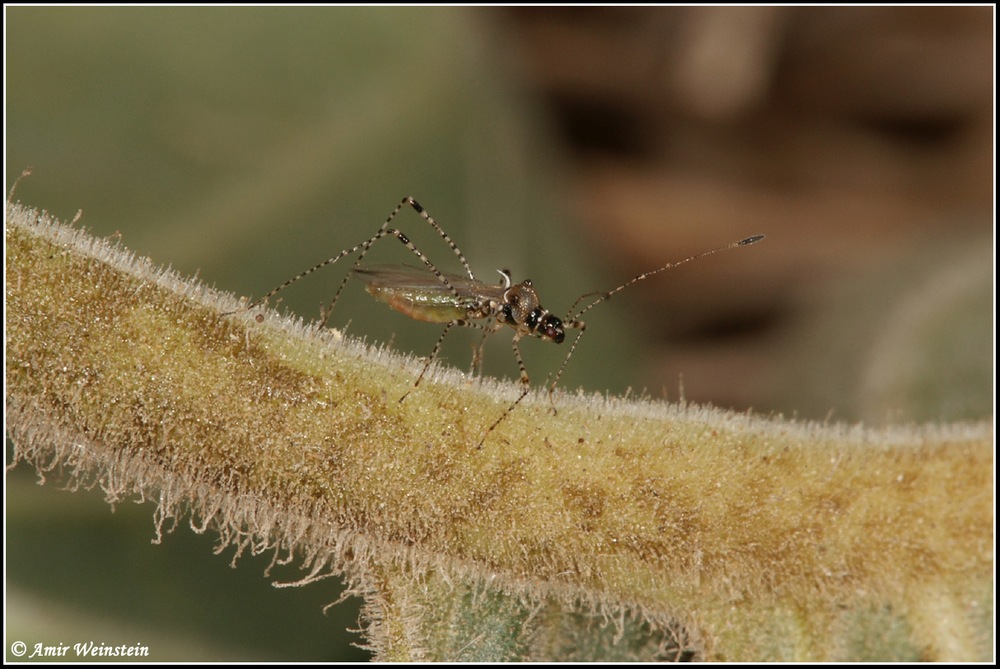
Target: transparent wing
x,y
404,278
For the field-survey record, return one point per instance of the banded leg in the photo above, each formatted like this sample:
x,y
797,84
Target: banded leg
x,y
525,382
343,254
365,246
477,351
576,325
487,331
477,355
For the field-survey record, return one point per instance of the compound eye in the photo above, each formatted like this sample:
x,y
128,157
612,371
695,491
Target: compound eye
x,y
554,329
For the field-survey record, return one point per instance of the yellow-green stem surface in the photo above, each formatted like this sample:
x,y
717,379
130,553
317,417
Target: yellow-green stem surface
x,y
760,538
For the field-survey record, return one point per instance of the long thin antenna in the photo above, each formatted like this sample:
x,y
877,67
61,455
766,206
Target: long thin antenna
x,y
645,275
573,320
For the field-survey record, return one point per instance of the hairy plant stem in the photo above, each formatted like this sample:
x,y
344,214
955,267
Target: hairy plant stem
x,y
697,533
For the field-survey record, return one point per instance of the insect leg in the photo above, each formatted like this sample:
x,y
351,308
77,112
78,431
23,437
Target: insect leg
x,y
477,354
576,325
478,351
385,227
525,382
433,356
487,330
444,235
364,246
329,261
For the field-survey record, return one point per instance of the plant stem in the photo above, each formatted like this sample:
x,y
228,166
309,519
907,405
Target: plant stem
x,y
730,536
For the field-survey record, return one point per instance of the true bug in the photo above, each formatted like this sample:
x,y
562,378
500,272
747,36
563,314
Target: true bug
x,y
427,294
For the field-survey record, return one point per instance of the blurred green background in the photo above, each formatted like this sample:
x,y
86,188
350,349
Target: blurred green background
x,y
246,144
575,147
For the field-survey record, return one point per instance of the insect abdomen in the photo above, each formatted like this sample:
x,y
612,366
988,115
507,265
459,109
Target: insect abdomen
x,y
417,305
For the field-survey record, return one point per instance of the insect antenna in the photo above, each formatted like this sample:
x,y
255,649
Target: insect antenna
x,y
572,319
645,275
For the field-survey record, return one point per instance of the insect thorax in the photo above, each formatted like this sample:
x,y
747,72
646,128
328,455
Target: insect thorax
x,y
523,311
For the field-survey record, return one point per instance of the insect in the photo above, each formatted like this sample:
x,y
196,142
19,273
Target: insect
x,y
454,300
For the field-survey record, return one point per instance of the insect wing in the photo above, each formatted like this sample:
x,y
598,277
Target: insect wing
x,y
421,295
